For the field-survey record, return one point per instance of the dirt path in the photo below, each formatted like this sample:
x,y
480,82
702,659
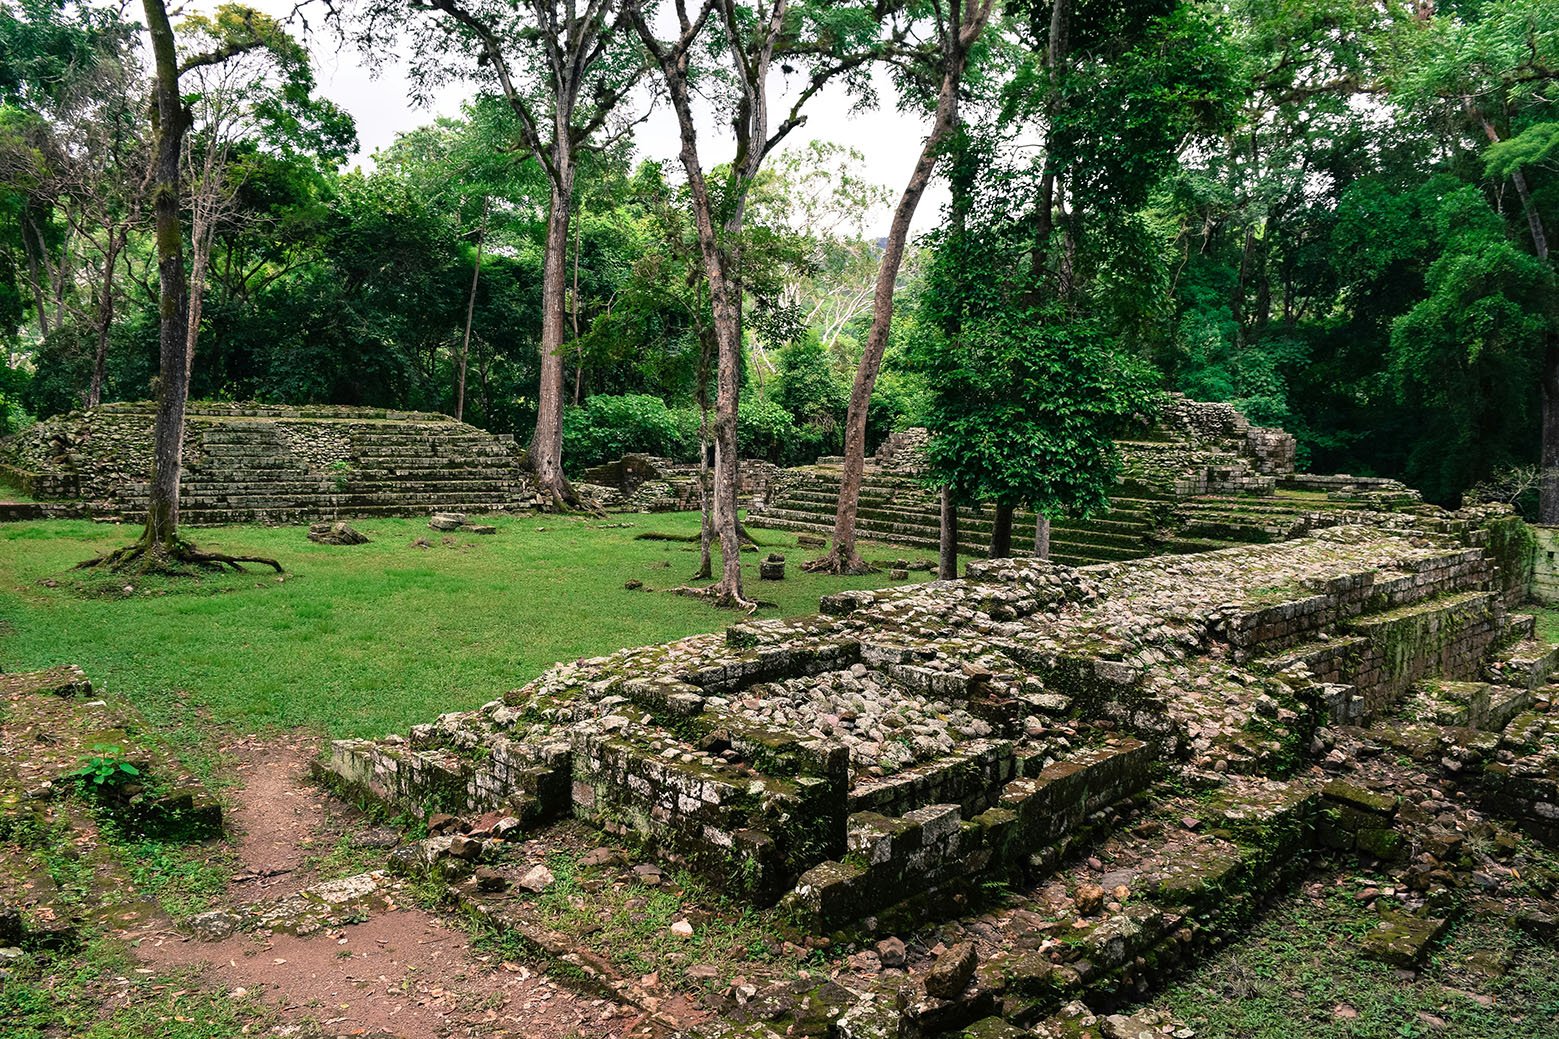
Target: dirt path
x,y
402,972
279,817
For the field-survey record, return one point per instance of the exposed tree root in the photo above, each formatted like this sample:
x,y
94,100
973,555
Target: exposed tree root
x,y
178,558
834,563
714,594
559,496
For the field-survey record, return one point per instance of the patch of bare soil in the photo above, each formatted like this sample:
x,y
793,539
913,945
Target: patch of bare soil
x,y
278,816
402,971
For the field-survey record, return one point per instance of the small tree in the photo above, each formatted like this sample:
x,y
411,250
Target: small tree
x,y
1023,412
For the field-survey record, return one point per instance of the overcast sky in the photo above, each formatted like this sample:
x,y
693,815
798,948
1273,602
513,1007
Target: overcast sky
x,y
890,140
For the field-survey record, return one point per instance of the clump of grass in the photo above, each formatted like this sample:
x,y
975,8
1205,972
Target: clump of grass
x,y
97,994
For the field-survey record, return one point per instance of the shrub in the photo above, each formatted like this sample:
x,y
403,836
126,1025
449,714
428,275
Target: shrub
x,y
608,427
764,429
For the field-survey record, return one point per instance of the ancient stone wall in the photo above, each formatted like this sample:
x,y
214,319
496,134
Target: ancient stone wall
x,y
1545,565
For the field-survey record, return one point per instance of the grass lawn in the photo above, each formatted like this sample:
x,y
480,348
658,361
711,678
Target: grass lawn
x,y
364,640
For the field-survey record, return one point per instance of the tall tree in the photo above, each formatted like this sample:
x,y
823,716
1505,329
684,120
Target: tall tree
x,y
835,40
566,68
236,30
958,25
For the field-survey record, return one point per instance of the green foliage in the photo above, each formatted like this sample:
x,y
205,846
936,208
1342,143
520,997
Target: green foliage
x,y
1023,411
1535,145
104,768
807,386
1469,352
764,429
606,428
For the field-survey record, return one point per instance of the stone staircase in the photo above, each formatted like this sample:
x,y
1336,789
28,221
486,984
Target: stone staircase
x,y
279,465
898,509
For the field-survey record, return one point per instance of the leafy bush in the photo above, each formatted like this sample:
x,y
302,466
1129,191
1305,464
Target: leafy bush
x,y
764,429
607,427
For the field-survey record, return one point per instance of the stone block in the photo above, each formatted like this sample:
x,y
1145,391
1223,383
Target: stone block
x,y
1400,939
1357,797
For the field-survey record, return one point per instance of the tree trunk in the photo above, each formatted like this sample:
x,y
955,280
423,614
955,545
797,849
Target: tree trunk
x,y
843,558
200,260
465,341
727,477
1041,536
1044,216
1534,218
34,247
105,320
1001,532
706,525
162,506
727,332
546,451
573,309
947,555
1548,494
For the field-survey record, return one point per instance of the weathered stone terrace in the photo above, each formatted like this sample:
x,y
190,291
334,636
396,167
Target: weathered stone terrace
x,y
763,752
272,464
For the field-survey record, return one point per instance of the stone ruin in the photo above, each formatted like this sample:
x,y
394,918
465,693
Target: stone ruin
x,y
1198,477
1137,753
268,464
645,483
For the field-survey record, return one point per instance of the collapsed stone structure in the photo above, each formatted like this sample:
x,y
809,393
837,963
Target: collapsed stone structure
x,y
883,760
1198,477
270,464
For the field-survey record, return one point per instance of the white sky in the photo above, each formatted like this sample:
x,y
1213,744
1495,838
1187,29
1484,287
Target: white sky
x,y
891,140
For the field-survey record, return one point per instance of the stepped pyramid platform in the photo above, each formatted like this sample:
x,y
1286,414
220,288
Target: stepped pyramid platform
x,y
1199,478
273,464
1140,754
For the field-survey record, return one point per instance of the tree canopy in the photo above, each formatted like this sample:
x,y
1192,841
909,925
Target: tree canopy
x,y
1334,215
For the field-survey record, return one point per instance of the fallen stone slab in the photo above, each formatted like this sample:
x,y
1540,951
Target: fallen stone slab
x,y
1401,939
335,534
329,904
